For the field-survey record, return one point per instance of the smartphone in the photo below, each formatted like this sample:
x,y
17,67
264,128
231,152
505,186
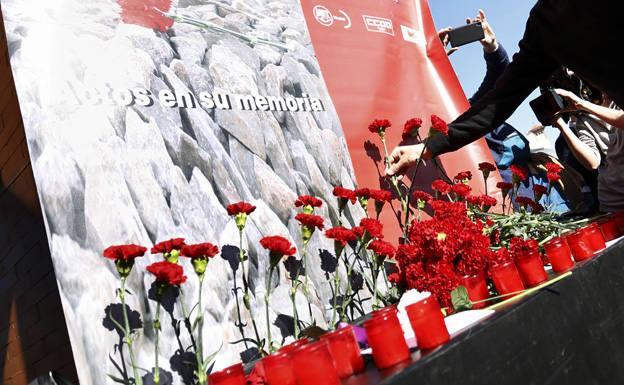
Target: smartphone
x,y
466,34
547,106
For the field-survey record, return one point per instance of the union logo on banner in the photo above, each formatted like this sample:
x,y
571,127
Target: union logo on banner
x,y
378,24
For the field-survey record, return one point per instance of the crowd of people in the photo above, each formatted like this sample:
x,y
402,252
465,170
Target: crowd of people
x,y
591,125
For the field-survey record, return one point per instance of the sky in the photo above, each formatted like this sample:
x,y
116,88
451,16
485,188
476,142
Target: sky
x,y
508,19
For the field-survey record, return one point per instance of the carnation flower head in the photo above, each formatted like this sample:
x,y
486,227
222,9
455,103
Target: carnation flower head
x,y
486,168
372,227
170,249
240,211
309,223
553,177
553,167
539,191
278,248
363,195
461,190
421,198
438,125
524,201
308,203
341,237
499,257
519,174
380,197
487,202
410,128
463,177
505,188
200,253
379,126
382,250
167,274
344,195
520,247
441,186
124,256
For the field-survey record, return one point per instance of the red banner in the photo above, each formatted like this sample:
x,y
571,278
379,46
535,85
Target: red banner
x,y
383,59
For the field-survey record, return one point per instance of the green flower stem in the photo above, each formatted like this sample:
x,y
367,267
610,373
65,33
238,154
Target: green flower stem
x,y
241,258
187,321
199,354
304,253
157,332
267,298
293,298
127,333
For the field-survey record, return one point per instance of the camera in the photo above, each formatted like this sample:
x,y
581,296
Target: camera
x,y
547,106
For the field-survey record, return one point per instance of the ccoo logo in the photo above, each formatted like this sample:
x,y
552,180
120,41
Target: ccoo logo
x,y
378,24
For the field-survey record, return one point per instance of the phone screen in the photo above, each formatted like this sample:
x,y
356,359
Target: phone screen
x,y
466,34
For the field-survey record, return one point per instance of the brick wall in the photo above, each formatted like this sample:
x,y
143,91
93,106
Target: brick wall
x,y
33,336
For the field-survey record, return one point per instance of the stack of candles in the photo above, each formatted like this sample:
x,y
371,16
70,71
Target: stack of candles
x,y
586,242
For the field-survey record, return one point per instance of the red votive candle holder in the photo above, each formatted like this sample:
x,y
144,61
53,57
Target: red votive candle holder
x,y
314,365
278,369
345,349
506,278
595,237
531,268
385,337
610,228
428,323
579,245
559,254
232,375
288,349
477,289
392,309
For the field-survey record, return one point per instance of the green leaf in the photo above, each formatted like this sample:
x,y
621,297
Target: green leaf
x,y
116,379
460,299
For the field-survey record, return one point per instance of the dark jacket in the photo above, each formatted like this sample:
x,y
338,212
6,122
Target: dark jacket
x,y
582,35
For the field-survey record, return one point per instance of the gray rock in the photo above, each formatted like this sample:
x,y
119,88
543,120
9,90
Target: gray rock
x,y
273,190
191,48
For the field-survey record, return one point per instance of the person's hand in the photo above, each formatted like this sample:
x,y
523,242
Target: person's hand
x,y
404,157
574,102
489,42
443,35
559,123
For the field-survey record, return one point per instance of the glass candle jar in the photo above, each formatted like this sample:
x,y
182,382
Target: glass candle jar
x,y
386,339
595,237
428,323
579,245
477,289
314,365
559,254
288,349
610,229
392,309
531,268
278,369
232,375
506,278
343,348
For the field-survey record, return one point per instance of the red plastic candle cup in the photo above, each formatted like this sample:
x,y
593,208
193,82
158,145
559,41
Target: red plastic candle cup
x,y
610,229
288,349
232,375
340,344
392,309
477,289
428,323
531,268
314,365
559,254
579,245
506,278
278,369
386,339
595,237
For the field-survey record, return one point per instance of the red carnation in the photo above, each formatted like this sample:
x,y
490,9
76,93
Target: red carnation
x,y
240,208
124,252
311,221
364,193
524,201
200,250
379,126
146,13
307,200
168,246
553,177
383,249
461,190
539,191
167,273
487,167
344,193
554,167
439,125
410,129
519,173
499,257
373,227
487,202
520,247
504,186
381,195
463,176
278,248
422,196
441,186
474,200
341,235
